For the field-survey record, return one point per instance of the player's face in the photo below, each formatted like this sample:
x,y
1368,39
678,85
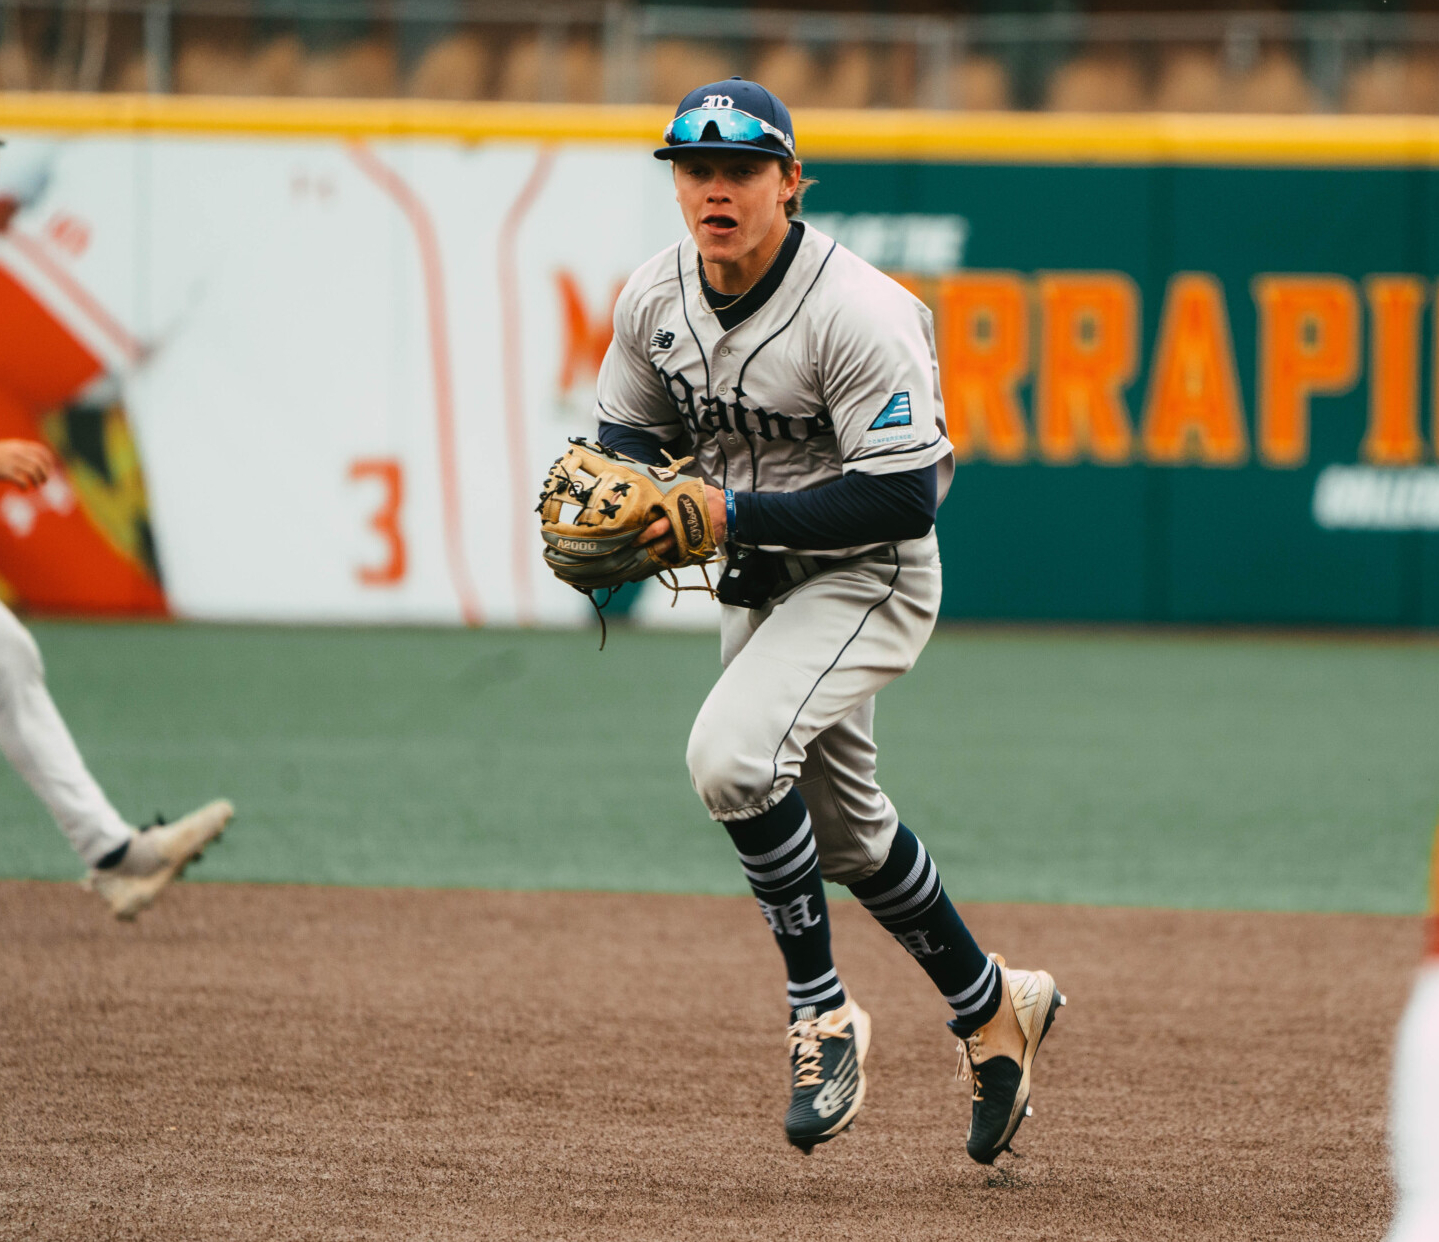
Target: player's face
x,y
730,202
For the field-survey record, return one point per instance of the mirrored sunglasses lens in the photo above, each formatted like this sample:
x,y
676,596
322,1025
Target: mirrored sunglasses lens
x,y
731,126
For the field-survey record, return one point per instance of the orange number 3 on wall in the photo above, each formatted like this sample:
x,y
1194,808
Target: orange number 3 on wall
x,y
385,521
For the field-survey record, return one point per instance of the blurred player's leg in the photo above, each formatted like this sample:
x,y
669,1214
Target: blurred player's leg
x,y
1415,1093
128,868
39,746
1416,1114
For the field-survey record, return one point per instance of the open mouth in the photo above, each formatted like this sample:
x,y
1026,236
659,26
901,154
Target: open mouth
x,y
719,223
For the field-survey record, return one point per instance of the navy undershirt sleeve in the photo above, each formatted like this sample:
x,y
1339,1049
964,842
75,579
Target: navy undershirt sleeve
x,y
633,442
852,510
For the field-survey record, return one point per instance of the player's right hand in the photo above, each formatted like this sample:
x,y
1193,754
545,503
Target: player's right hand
x,y
26,463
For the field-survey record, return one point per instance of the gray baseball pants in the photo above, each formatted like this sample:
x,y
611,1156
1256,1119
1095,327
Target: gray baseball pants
x,y
795,704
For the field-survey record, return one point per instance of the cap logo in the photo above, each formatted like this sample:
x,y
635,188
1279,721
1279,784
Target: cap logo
x,y
717,101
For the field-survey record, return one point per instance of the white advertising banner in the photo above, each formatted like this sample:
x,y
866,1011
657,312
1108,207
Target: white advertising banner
x,y
345,365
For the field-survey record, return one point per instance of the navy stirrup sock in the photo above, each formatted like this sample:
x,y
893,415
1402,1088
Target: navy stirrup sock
x,y
905,895
778,854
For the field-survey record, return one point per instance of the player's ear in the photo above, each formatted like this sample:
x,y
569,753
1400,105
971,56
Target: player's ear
x,y
789,180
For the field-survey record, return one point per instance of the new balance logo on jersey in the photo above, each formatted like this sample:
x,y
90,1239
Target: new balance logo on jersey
x,y
792,918
662,339
895,414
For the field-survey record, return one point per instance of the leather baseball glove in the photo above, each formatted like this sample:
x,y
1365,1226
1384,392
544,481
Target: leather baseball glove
x,y
594,504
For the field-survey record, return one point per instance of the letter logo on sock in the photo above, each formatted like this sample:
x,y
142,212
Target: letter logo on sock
x,y
916,942
790,918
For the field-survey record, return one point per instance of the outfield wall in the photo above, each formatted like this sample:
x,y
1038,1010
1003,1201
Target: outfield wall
x,y
309,361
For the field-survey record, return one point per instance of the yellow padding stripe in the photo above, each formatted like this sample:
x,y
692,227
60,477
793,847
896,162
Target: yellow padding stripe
x,y
1030,138
328,118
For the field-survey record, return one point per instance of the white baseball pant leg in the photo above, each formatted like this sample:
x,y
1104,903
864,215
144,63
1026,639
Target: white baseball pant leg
x,y
1415,1117
795,704
39,746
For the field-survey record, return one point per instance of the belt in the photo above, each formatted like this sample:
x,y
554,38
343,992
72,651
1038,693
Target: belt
x,y
792,568
751,578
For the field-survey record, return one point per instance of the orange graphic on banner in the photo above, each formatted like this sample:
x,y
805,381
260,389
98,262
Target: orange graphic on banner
x,y
385,521
53,553
586,337
1308,345
1396,304
983,355
1193,412
1089,329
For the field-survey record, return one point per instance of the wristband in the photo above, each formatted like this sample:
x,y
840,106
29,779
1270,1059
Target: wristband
x,y
729,511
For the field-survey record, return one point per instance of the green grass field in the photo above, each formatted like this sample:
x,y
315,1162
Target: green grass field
x,y
1228,772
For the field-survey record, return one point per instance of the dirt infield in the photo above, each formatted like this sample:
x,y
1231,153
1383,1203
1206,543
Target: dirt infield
x,y
277,1063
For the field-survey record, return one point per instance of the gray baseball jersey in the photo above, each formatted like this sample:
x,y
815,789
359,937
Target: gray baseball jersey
x,y
835,372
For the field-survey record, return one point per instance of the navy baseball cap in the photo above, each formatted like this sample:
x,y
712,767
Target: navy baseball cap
x,y
733,115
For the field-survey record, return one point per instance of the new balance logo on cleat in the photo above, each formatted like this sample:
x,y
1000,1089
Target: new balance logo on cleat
x,y
839,1090
827,1066
662,339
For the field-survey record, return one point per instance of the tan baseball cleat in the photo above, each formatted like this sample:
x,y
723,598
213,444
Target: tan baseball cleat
x,y
999,1056
156,856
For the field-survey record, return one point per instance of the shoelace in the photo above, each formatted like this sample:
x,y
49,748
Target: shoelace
x,y
966,1070
805,1043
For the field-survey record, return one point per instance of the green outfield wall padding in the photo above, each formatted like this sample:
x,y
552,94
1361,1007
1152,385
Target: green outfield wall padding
x,y
1137,537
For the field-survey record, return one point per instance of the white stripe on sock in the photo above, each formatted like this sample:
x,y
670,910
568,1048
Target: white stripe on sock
x,y
798,1002
812,983
955,1002
928,888
768,879
902,887
759,860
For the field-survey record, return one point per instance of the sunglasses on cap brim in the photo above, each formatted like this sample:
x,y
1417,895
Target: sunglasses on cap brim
x,y
730,124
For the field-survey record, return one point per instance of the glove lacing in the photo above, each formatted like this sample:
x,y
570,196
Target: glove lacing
x,y
565,485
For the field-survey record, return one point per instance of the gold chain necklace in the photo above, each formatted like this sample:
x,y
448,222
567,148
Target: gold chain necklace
x,y
739,297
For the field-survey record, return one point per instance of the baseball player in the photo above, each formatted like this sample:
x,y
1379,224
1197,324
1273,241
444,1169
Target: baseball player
x,y
805,385
128,866
1415,1093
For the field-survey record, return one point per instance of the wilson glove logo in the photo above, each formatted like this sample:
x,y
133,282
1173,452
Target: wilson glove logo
x,y
692,520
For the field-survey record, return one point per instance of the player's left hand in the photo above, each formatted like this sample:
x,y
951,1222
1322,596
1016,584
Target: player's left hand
x,y
28,463
659,536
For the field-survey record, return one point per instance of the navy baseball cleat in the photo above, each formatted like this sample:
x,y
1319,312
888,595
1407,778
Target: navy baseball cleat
x,y
999,1056
826,1053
